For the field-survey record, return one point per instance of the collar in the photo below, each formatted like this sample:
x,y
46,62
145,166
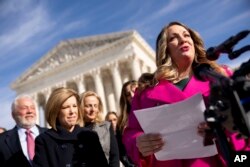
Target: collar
x,y
34,130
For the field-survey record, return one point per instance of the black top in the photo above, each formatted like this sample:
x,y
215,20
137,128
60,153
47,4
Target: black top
x,y
80,148
114,150
122,151
182,83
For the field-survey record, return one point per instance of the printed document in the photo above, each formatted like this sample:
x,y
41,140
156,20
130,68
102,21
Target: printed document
x,y
178,124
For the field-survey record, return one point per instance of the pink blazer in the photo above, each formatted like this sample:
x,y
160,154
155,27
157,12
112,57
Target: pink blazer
x,y
164,93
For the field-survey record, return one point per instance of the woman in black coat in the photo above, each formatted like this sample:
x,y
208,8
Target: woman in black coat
x,y
67,144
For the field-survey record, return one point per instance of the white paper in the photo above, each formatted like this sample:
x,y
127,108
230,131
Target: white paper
x,y
178,125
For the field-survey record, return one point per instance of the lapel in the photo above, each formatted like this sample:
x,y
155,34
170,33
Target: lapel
x,y
195,86
166,92
12,141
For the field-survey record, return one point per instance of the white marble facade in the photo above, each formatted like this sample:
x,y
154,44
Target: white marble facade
x,y
100,63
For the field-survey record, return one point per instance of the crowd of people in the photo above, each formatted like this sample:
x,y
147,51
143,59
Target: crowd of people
x,y
81,135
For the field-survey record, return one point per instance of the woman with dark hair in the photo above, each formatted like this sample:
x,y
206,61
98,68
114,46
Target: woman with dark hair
x,y
112,117
127,93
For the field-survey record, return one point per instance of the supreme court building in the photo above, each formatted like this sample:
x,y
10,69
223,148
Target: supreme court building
x,y
100,63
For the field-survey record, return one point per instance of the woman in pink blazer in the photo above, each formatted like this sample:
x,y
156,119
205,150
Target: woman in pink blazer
x,y
179,50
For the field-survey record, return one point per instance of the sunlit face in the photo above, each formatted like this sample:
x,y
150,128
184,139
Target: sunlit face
x,y
25,113
180,46
91,108
130,92
68,114
113,119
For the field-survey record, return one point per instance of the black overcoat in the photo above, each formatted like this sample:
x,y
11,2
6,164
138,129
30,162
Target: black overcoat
x,y
11,154
60,148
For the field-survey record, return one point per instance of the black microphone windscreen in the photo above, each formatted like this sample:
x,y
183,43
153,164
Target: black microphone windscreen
x,y
211,54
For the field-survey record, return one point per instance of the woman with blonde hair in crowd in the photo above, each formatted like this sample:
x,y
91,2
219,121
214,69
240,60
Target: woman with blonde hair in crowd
x,y
92,110
67,144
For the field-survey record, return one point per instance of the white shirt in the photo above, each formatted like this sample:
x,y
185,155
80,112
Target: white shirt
x,y
22,137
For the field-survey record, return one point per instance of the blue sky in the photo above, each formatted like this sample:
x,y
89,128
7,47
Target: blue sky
x,y
30,28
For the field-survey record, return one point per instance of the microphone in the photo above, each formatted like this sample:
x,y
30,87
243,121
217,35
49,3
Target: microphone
x,y
204,72
243,70
227,46
237,53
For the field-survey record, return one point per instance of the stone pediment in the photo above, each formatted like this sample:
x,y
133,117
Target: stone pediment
x,y
67,51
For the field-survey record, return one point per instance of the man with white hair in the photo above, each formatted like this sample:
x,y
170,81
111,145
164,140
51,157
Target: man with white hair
x,y
17,144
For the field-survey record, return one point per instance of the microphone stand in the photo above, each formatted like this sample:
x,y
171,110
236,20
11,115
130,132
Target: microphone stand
x,y
229,97
220,111
218,130
226,110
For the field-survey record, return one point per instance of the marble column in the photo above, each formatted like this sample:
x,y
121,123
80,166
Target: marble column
x,y
135,66
100,88
47,92
80,84
35,99
111,102
144,67
61,84
116,79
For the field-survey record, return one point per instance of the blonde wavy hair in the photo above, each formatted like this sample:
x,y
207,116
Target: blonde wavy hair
x,y
99,117
166,68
